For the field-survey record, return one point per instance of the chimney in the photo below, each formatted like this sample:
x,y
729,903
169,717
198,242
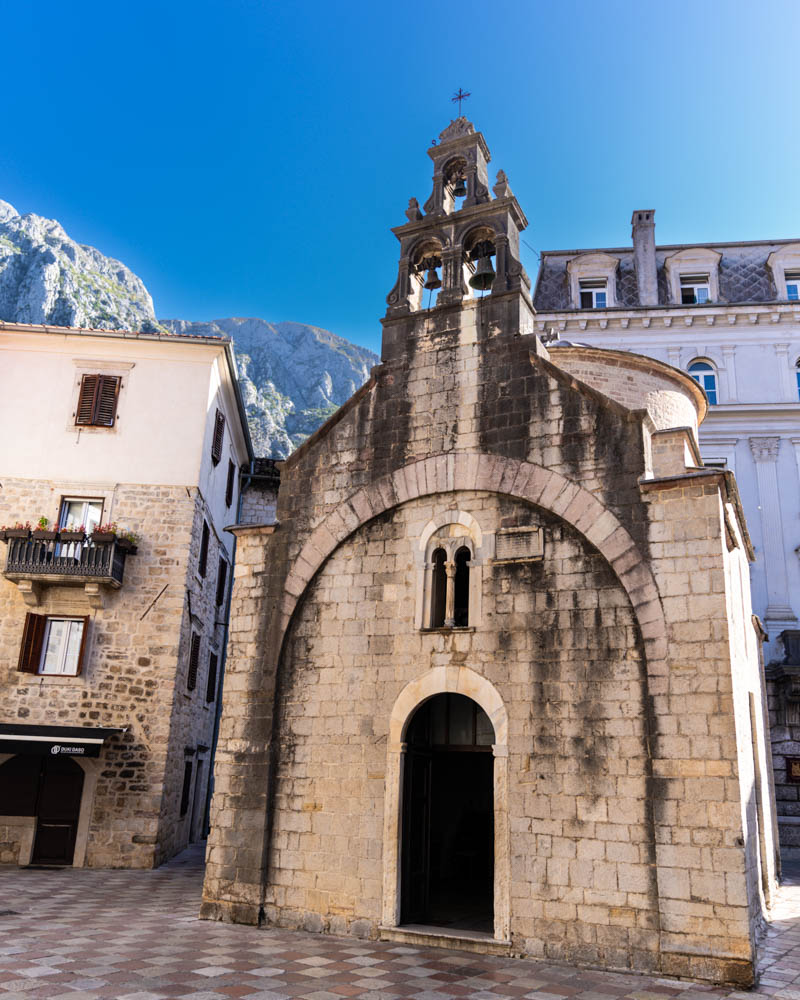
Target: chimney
x,y
643,231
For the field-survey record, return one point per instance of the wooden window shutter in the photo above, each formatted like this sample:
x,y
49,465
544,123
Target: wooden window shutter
x,y
97,402
222,579
87,399
229,486
106,410
194,661
211,683
30,652
202,562
81,654
219,435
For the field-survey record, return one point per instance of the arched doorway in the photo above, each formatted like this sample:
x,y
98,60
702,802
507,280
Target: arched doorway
x,y
49,788
447,825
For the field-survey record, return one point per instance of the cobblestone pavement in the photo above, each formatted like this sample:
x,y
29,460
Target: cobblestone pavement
x,y
135,936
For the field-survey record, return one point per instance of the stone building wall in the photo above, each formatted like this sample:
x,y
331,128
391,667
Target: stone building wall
x,y
137,648
561,645
628,645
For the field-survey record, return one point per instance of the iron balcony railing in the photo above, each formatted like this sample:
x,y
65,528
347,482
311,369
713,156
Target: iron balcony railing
x,y
74,561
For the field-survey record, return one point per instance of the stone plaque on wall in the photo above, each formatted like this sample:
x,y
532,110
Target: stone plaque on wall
x,y
519,545
793,769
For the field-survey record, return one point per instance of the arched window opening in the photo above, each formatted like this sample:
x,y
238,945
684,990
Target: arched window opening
x,y
438,589
461,586
455,185
706,377
426,271
479,269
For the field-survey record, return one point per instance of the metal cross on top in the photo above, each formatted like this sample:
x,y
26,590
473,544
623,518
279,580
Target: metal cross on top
x,y
460,95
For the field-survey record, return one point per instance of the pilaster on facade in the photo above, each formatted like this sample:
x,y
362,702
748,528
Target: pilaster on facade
x,y
765,454
729,362
788,386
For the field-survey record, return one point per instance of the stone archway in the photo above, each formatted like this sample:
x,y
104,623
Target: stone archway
x,y
443,680
448,473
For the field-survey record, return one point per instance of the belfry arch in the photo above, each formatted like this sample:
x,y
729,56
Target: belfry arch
x,y
446,680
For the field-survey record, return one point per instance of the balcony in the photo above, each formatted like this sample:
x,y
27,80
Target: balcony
x,y
36,563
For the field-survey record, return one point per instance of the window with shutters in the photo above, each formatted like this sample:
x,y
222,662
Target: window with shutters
x,y
219,437
187,786
222,579
230,484
53,644
211,683
97,400
194,662
202,562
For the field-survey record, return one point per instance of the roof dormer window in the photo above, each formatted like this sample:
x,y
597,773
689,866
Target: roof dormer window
x,y
693,276
784,263
592,281
694,289
594,293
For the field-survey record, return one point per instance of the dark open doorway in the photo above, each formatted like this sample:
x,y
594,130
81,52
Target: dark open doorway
x,y
49,788
448,816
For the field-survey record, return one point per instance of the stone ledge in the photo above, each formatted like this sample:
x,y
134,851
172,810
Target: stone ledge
x,y
439,937
229,913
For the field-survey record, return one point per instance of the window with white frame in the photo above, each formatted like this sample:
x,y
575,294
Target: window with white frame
x,y
53,644
594,293
792,285
693,276
62,646
704,373
694,289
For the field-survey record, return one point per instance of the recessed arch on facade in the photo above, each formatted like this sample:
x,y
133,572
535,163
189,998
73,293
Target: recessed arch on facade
x,y
527,481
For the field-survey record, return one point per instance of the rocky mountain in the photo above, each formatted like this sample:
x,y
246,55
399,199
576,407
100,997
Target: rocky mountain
x,y
45,277
293,376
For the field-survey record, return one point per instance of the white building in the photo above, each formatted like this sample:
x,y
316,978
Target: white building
x,y
111,660
729,314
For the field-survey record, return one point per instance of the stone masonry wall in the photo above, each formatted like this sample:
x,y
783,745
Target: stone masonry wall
x,y
460,398
560,644
133,655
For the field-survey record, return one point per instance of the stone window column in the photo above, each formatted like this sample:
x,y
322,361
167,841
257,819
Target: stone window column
x,y
765,454
450,595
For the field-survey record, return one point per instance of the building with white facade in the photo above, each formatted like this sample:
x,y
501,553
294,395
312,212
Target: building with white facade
x,y
729,315
119,468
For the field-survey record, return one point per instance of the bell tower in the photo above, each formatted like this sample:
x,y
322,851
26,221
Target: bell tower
x,y
464,242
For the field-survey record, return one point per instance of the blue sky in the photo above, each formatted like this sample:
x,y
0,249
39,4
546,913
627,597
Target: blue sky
x,y
248,158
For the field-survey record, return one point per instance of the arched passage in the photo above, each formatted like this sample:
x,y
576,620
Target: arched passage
x,y
403,760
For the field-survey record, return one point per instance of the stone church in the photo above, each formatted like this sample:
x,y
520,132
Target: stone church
x,y
493,679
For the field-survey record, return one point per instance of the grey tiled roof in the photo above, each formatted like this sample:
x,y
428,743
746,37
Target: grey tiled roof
x,y
743,274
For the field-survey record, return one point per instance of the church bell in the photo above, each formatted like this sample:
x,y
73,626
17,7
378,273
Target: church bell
x,y
483,277
460,188
432,280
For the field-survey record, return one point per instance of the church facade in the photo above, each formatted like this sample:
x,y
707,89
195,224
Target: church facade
x,y
493,680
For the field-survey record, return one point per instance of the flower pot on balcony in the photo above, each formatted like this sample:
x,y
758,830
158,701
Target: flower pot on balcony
x,y
43,535
103,536
126,545
18,533
73,536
